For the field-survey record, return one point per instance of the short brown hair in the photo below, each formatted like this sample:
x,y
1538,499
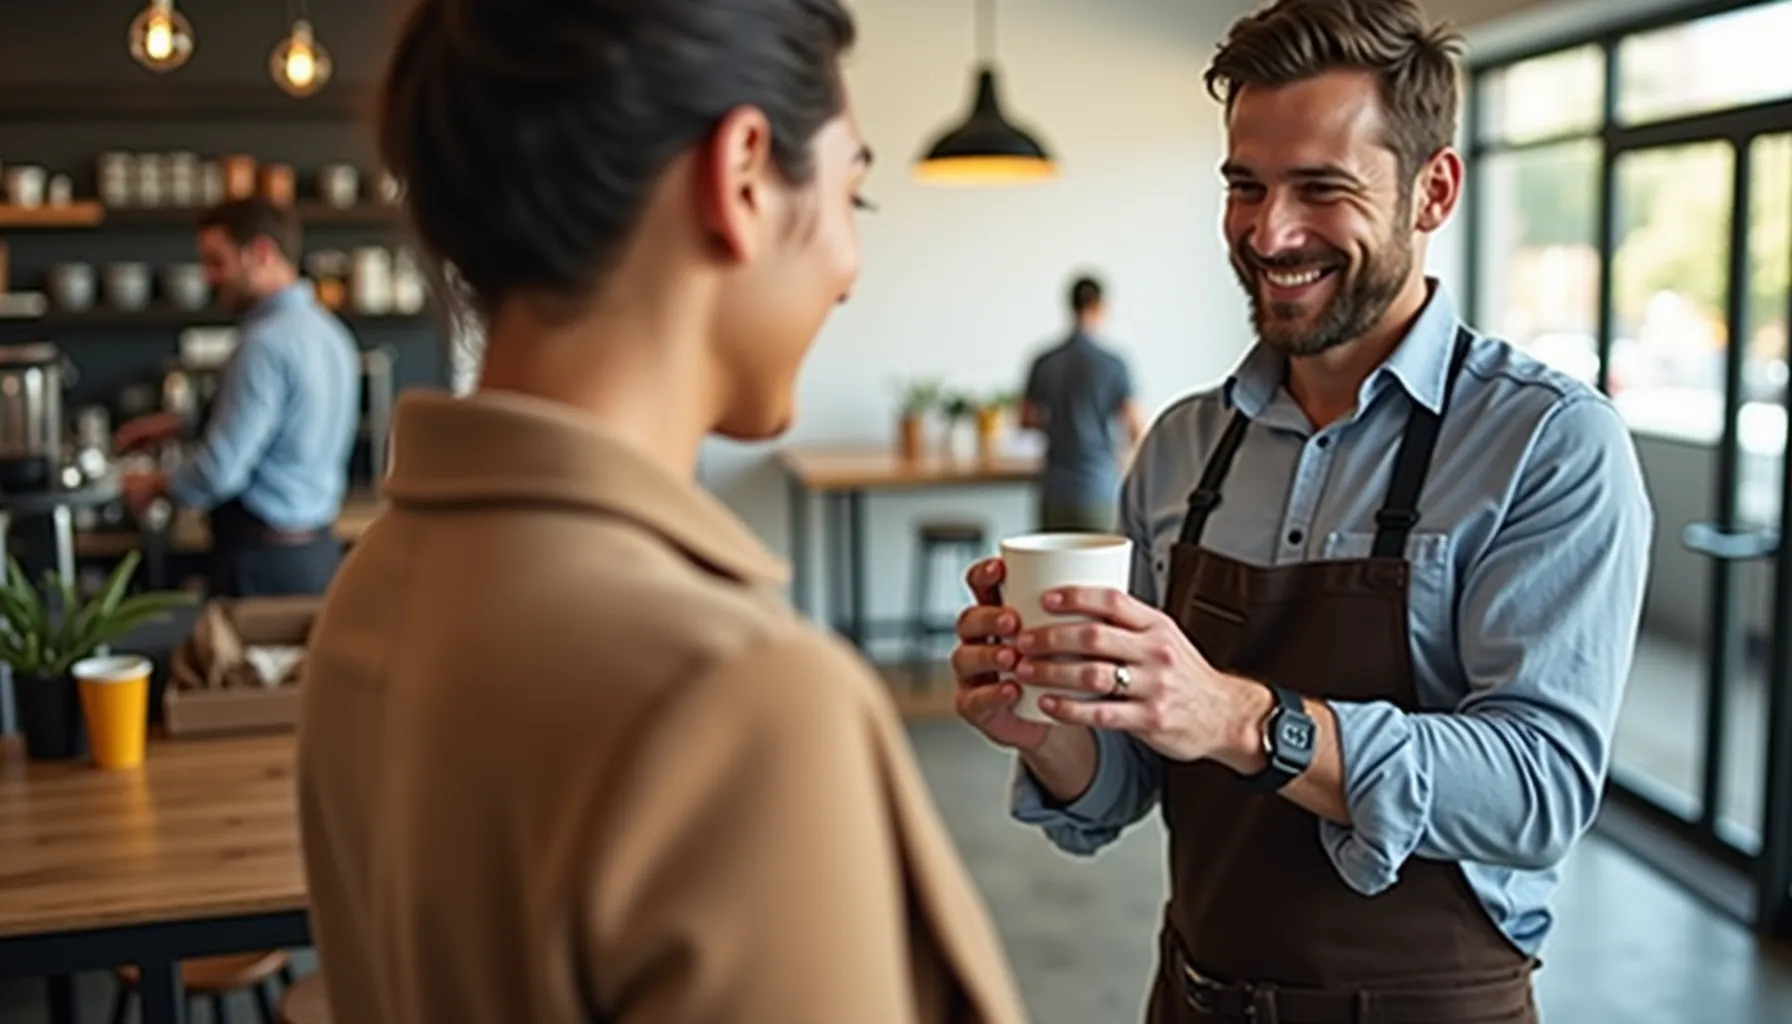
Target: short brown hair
x,y
245,220
1414,58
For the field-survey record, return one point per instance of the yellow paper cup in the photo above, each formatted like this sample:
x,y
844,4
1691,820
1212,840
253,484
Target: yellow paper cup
x,y
115,699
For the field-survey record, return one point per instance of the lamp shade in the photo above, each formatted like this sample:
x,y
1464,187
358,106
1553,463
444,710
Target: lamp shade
x,y
987,148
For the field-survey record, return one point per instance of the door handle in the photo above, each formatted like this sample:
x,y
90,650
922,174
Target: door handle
x,y
1713,542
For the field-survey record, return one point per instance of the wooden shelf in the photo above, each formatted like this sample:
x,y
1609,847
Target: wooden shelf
x,y
83,214
90,214
258,102
167,316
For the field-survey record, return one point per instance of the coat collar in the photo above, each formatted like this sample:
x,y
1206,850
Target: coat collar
x,y
507,449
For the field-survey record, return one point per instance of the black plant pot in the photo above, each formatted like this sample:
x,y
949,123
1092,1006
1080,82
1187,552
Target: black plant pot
x,y
50,717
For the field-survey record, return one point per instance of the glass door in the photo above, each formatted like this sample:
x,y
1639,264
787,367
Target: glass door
x,y
1702,237
1773,309
1631,224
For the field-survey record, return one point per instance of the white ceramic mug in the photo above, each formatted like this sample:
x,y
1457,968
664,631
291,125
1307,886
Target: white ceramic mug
x,y
1036,563
25,185
340,185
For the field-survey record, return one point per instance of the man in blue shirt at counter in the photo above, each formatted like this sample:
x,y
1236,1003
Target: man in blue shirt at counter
x,y
272,467
1385,591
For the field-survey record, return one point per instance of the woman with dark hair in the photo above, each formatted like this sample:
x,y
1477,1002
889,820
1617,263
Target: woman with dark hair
x,y
565,752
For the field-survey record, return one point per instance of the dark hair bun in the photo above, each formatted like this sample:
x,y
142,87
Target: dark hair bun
x,y
528,133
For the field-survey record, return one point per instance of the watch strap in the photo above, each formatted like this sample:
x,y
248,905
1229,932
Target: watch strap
x,y
1287,760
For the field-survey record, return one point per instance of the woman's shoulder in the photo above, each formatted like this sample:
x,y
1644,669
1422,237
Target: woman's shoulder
x,y
795,671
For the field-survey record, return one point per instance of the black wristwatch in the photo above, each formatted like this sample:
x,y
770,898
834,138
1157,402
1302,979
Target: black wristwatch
x,y
1288,740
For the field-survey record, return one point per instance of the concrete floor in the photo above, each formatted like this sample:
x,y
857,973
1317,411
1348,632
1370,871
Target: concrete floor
x,y
1631,947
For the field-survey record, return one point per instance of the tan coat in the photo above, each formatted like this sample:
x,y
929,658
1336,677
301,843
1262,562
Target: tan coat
x,y
566,755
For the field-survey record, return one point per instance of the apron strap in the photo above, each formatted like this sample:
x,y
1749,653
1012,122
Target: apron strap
x,y
1206,495
1400,513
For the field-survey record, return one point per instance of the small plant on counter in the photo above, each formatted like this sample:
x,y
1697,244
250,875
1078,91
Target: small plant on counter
x,y
919,397
997,401
46,631
38,641
915,399
959,406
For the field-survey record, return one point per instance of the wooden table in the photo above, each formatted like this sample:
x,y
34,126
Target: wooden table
x,y
195,854
843,477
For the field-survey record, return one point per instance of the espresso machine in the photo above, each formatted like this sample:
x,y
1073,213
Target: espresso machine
x,y
32,378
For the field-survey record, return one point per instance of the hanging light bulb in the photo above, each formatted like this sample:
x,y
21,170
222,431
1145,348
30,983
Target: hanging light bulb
x,y
300,64
161,39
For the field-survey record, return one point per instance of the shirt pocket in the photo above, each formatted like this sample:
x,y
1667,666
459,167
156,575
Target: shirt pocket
x,y
1431,594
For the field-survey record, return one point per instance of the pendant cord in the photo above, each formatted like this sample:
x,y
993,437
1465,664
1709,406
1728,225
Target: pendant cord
x,y
986,31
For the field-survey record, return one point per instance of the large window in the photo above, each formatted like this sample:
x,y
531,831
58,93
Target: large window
x,y
1630,221
1545,132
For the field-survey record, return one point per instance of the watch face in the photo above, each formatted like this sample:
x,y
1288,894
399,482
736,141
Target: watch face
x,y
1294,733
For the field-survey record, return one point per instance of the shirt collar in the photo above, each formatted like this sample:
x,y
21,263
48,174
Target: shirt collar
x,y
287,297
491,448
1420,363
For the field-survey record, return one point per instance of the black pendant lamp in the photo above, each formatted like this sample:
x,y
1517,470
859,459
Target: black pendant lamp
x,y
986,148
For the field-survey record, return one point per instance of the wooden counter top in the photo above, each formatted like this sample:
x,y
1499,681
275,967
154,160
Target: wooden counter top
x,y
207,827
192,533
851,469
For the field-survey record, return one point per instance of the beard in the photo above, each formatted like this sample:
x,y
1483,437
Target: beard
x,y
1361,296
234,295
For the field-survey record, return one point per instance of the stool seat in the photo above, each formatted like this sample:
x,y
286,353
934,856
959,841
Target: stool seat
x,y
306,1002
948,536
950,532
208,975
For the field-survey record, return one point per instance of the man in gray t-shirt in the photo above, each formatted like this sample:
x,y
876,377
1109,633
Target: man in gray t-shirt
x,y
1076,393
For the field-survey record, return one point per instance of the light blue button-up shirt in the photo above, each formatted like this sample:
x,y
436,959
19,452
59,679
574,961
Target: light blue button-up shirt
x,y
1528,570
283,424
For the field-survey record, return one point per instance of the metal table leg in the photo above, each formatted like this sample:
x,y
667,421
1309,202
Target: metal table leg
x,y
855,533
800,582
163,1001
834,506
61,997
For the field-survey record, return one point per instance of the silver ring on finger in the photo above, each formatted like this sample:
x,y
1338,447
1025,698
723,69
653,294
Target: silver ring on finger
x,y
1122,680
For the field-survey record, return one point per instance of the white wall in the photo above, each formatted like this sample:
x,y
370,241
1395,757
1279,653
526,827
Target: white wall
x,y
966,284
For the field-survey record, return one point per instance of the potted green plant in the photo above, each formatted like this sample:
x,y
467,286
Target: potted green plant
x,y
990,410
958,407
917,398
45,631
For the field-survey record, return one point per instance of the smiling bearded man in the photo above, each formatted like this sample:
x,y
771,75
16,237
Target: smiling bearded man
x,y
1371,753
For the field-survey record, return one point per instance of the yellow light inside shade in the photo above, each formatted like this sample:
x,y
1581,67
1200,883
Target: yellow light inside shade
x,y
301,67
299,64
160,38
158,41
984,170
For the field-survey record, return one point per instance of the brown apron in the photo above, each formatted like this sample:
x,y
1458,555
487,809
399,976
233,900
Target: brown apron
x,y
1260,927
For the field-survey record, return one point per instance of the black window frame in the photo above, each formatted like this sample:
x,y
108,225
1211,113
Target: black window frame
x,y
1754,887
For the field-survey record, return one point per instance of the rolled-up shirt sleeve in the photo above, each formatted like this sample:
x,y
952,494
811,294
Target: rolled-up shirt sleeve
x,y
1128,778
1547,620
251,400
1128,774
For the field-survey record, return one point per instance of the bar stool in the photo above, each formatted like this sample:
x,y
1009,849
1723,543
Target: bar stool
x,y
932,538
306,1002
215,977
